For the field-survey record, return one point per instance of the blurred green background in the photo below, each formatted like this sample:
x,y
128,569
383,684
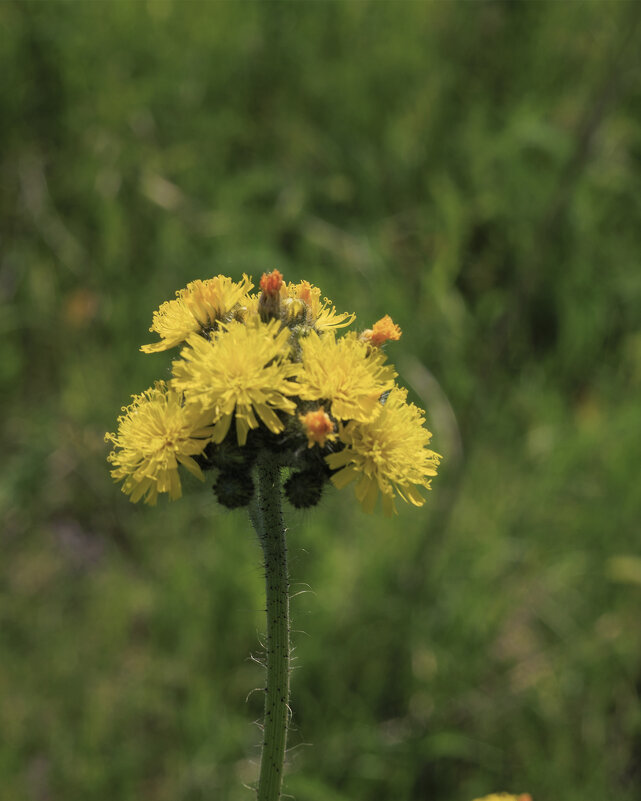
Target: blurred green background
x,y
472,169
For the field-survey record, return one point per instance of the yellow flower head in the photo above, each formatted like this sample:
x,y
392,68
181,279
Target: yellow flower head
x,y
505,797
382,330
242,370
198,307
318,427
389,454
346,373
155,434
320,314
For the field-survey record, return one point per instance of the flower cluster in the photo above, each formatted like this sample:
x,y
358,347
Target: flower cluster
x,y
267,371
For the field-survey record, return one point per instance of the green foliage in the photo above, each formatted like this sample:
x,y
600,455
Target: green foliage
x,y
471,169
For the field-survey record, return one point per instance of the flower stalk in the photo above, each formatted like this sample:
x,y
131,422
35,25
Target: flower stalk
x,y
263,382
267,518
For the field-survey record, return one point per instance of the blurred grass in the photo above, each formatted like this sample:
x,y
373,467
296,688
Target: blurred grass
x,y
471,169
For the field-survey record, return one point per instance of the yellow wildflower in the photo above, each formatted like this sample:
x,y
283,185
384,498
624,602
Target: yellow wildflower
x,y
389,454
155,434
381,331
318,427
249,307
322,315
243,369
505,797
346,373
273,359
198,307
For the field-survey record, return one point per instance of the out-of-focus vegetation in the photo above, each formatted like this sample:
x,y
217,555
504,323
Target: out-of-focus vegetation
x,y
473,169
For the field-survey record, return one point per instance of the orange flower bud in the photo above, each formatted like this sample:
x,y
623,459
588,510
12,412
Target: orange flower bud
x,y
271,283
383,329
318,427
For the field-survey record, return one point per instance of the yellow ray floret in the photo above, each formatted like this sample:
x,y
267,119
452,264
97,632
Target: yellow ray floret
x,y
346,373
320,314
242,370
198,307
155,434
389,454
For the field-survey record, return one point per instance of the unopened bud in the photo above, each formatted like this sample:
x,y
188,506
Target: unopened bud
x,y
318,426
294,310
271,283
382,331
304,489
234,488
269,300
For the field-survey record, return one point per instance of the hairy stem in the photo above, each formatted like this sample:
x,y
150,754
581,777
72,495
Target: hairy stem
x,y
267,518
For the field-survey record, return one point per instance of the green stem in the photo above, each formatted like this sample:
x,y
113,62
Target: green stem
x,y
267,518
